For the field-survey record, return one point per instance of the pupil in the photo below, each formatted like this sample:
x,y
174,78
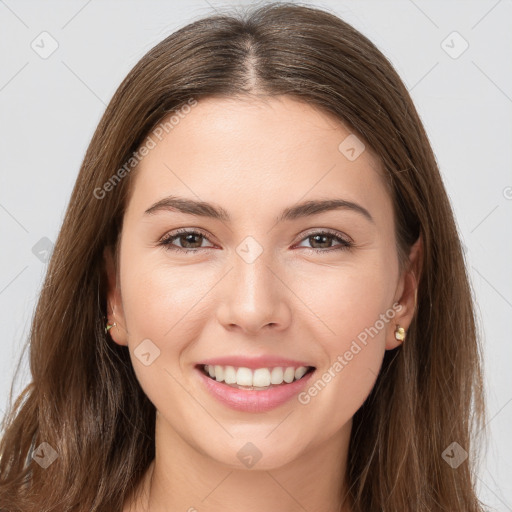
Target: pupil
x,y
324,237
190,236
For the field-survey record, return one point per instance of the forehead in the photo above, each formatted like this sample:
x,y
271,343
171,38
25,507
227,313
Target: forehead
x,y
257,153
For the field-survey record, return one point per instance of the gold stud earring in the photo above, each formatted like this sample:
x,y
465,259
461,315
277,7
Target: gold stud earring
x,y
109,326
400,333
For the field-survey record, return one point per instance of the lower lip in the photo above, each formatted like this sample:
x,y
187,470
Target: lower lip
x,y
250,400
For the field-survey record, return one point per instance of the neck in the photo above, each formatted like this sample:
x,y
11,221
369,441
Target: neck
x,y
182,478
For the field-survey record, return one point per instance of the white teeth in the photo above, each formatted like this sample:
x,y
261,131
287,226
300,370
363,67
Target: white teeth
x,y
277,375
260,378
300,372
219,373
289,374
230,375
244,377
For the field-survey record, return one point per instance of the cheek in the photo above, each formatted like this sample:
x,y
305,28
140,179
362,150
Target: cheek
x,y
352,339
169,306
350,325
345,300
158,298
160,307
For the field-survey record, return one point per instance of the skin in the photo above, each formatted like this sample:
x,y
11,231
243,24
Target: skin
x,y
255,158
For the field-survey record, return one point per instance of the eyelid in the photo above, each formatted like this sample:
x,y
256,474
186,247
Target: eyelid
x,y
310,231
326,231
165,240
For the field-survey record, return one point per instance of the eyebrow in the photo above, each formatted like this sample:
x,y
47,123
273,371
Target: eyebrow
x,y
301,210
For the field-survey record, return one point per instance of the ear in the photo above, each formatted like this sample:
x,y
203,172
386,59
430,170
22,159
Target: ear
x,y
114,303
406,295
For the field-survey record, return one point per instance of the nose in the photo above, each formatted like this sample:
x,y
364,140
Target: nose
x,y
254,297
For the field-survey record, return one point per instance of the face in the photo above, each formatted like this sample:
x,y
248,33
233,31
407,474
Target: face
x,y
265,279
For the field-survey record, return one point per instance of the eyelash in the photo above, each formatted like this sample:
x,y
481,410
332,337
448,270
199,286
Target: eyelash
x,y
166,241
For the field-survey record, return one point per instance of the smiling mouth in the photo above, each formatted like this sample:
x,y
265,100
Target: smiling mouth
x,y
268,378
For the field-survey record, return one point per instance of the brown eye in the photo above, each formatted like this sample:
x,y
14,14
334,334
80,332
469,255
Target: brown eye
x,y
322,242
190,241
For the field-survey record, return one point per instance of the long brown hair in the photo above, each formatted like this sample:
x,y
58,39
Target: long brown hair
x,y
84,399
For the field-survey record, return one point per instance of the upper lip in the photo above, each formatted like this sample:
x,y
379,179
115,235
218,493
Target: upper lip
x,y
253,362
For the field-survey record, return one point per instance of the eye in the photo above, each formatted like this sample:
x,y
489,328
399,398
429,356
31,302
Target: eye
x,y
324,239
191,240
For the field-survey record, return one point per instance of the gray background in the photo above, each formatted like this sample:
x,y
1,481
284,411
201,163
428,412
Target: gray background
x,y
49,108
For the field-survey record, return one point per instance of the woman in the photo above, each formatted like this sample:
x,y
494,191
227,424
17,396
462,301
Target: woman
x,y
258,298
